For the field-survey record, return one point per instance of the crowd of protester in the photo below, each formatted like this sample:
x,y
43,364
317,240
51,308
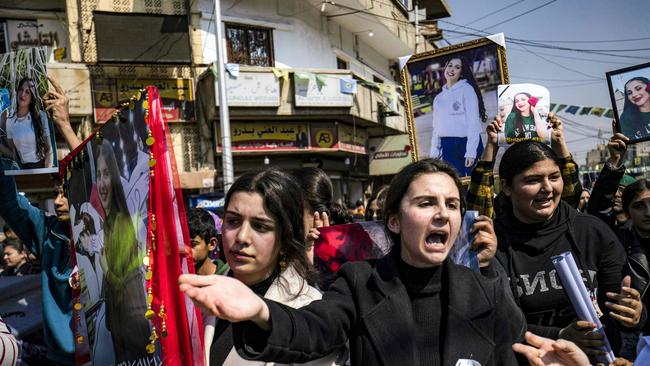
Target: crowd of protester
x,y
263,299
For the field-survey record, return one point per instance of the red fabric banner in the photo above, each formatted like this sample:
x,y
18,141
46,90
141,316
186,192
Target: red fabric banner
x,y
183,343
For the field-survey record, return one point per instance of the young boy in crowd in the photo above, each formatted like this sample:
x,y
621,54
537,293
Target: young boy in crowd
x,y
204,238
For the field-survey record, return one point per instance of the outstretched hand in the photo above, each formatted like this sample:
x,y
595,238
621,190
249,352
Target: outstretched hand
x,y
542,351
226,298
627,307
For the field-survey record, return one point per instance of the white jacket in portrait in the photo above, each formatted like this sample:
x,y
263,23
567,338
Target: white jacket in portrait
x,y
456,114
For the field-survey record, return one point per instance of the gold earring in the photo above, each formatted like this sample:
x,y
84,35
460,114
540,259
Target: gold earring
x,y
283,262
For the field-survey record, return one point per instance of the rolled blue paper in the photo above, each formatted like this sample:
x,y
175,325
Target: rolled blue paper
x,y
574,287
462,252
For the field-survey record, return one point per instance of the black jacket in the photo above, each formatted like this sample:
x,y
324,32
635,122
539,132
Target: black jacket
x,y
600,204
525,251
368,304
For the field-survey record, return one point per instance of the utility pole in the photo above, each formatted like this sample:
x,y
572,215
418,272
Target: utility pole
x,y
224,114
417,24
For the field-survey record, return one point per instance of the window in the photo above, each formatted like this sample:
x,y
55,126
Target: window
x,y
126,37
341,64
249,45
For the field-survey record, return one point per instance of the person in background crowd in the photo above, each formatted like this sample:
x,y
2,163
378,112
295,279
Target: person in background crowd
x,y
634,203
584,199
204,239
318,192
359,211
47,237
536,224
412,307
9,234
263,241
376,204
16,258
340,214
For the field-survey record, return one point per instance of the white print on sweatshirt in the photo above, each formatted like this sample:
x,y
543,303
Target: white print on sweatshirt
x,y
455,114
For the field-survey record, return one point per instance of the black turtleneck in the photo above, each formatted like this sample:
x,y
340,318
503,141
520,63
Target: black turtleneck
x,y
423,287
222,342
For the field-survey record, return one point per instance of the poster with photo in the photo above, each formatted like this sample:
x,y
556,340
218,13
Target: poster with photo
x,y
524,109
629,90
26,129
451,95
108,192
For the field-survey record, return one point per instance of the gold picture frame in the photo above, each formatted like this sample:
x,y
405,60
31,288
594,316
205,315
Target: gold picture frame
x,y
422,80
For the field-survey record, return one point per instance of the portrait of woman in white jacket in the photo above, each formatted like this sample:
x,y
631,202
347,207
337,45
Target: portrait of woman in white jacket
x,y
458,111
263,242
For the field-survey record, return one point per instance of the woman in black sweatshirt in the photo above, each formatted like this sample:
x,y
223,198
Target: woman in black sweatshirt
x,y
537,225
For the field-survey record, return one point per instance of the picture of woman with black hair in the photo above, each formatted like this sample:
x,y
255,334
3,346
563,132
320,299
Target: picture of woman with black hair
x,y
524,121
27,130
458,111
635,119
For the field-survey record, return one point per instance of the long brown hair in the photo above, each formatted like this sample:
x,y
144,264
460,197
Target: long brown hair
x,y
42,144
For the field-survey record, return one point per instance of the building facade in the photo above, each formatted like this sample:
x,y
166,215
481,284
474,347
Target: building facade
x,y
292,64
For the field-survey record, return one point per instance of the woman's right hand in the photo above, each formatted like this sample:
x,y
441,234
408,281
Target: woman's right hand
x,y
617,146
584,334
226,298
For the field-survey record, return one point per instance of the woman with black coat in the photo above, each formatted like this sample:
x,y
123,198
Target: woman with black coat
x,y
412,307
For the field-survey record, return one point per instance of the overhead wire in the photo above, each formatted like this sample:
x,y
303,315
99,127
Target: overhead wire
x,y
522,14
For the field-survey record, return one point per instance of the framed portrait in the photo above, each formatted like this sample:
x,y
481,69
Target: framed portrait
x,y
451,95
26,129
629,89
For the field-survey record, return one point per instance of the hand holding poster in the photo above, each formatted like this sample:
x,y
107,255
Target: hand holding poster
x,y
26,131
523,109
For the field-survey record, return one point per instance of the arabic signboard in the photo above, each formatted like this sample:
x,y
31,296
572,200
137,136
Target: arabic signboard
x,y
322,90
75,80
352,139
252,89
251,136
176,94
389,154
38,33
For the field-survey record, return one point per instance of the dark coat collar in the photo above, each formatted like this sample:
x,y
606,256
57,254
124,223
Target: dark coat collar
x,y
390,321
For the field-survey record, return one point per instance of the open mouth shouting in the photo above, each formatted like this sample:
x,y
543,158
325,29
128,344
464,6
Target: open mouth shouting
x,y
436,240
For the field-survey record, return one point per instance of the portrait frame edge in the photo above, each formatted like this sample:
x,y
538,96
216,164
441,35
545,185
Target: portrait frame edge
x,y
461,47
617,119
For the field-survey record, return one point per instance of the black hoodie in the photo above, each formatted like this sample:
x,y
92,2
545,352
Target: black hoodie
x,y
525,251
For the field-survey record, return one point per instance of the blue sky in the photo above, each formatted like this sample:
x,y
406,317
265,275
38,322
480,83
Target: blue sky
x,y
572,77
